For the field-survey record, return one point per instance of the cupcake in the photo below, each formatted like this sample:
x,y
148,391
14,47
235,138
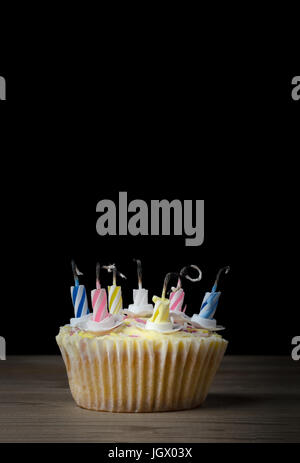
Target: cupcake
x,y
120,364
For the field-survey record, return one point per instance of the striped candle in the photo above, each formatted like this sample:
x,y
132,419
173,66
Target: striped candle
x,y
99,303
115,301
79,299
161,312
177,300
177,296
78,294
211,300
99,299
209,305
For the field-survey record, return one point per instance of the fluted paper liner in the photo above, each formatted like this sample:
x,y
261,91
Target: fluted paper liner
x,y
140,375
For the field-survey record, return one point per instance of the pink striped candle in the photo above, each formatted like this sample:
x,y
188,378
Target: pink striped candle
x,y
177,296
177,300
99,299
99,303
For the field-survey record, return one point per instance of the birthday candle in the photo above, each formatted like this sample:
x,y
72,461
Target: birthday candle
x,y
140,296
177,300
161,320
115,301
211,300
161,313
78,294
177,296
209,305
99,299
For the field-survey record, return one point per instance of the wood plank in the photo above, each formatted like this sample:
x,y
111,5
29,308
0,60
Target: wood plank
x,y
253,399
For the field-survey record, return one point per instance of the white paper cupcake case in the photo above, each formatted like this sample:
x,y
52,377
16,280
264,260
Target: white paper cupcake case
x,y
140,375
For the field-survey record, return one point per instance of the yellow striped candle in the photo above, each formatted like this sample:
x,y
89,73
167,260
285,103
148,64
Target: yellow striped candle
x,y
161,313
115,301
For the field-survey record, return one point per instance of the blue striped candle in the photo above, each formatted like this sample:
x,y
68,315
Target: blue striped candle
x,y
209,305
79,299
78,294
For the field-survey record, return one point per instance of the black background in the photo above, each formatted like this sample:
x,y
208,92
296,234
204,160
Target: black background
x,y
78,128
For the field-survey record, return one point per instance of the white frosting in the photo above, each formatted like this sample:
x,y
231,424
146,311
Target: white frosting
x,y
179,317
74,322
166,328
108,324
140,304
138,308
205,323
141,311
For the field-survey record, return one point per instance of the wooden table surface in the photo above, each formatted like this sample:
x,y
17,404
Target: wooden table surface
x,y
253,399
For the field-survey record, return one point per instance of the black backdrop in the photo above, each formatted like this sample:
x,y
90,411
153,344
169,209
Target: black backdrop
x,y
158,128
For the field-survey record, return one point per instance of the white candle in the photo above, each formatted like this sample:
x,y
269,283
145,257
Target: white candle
x,y
140,296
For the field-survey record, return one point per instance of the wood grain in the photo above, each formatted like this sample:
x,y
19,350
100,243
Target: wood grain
x,y
253,399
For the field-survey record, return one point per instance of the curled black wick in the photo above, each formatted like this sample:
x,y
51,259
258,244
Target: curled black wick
x,y
166,282
76,272
184,273
113,268
223,269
